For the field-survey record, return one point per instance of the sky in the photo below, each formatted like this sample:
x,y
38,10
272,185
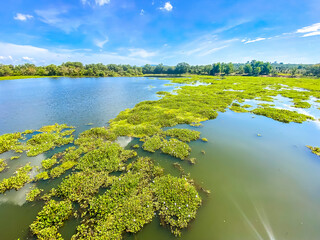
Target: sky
x,y
135,32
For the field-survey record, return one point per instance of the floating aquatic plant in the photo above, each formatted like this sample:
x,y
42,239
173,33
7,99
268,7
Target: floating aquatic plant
x,y
185,135
50,219
315,150
176,148
17,181
33,194
282,115
3,165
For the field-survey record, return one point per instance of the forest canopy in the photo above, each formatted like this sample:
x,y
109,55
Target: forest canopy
x,y
76,69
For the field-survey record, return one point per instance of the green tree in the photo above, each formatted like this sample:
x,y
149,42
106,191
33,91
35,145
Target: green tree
x,y
182,68
248,69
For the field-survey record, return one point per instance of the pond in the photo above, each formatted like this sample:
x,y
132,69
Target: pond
x,y
264,182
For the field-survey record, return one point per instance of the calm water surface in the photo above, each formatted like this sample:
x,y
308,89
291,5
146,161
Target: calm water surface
x,y
264,187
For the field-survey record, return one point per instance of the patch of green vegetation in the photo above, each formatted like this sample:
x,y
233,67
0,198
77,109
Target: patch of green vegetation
x,y
300,104
282,115
126,207
315,150
3,165
185,135
52,136
136,146
153,143
176,148
265,105
50,219
246,106
41,176
33,194
9,141
49,163
235,107
15,157
17,181
82,186
61,169
111,157
21,77
177,202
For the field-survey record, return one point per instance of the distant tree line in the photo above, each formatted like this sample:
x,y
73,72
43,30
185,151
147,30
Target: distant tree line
x,y
253,68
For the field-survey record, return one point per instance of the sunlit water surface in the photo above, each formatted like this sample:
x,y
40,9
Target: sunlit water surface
x,y
262,187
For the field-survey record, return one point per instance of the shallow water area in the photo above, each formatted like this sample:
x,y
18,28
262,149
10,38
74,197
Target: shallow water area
x,y
264,182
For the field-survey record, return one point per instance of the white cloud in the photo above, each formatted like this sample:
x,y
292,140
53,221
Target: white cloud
x,y
102,2
101,43
57,18
142,12
312,34
309,31
255,40
16,54
22,17
138,52
167,7
27,58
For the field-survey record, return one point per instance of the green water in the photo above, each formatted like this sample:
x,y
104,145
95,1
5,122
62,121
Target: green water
x,y
264,187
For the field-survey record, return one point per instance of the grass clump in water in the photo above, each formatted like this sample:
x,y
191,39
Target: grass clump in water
x,y
49,163
176,148
3,165
185,135
177,202
153,143
33,194
18,180
235,107
50,219
300,104
282,115
315,150
9,141
51,137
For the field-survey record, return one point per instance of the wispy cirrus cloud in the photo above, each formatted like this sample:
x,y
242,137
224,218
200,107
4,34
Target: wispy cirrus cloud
x,y
139,52
56,18
95,2
312,30
22,17
254,40
101,43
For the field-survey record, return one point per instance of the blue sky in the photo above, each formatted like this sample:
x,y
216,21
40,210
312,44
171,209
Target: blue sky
x,y
153,31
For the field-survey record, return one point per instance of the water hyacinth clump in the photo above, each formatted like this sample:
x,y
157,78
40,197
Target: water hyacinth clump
x,y
237,108
17,181
282,115
177,202
176,148
50,219
300,104
9,141
45,141
315,150
153,143
33,194
185,135
3,165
